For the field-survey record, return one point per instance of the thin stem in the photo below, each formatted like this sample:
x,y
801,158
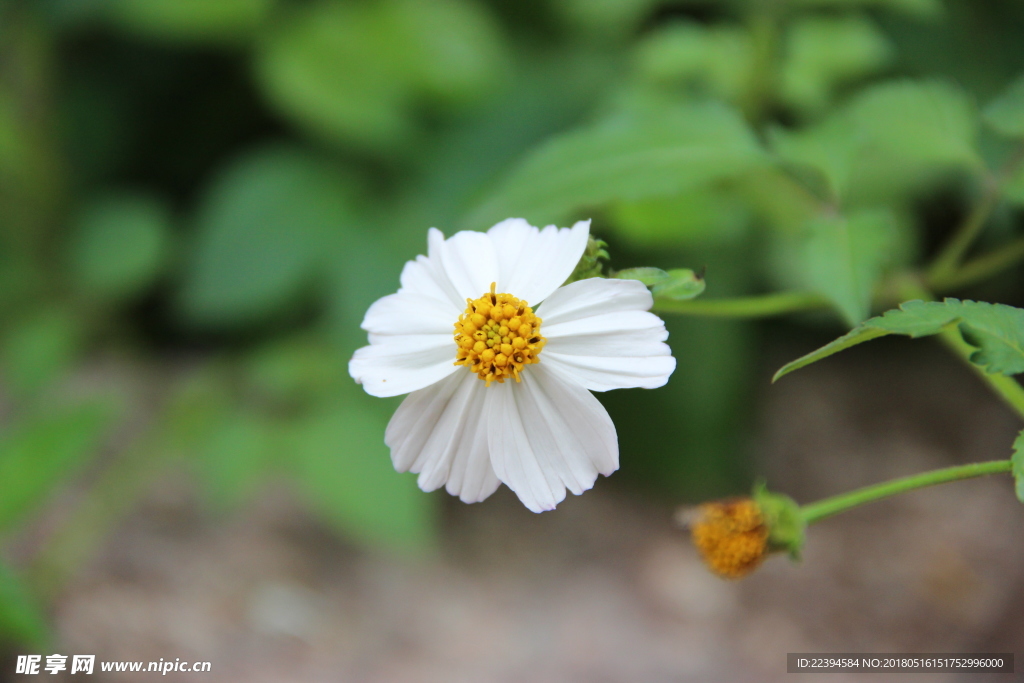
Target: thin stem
x,y
981,268
815,512
949,258
762,306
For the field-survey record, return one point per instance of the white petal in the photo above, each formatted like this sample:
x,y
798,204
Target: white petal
x,y
440,433
426,278
534,263
599,333
405,313
547,434
470,263
593,296
397,365
603,373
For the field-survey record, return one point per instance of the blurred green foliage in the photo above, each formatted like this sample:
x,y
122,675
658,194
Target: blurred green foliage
x,y
211,192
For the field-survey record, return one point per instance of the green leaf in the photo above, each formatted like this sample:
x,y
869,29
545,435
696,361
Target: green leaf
x,y
646,275
888,140
36,455
699,218
996,330
1017,462
120,244
843,258
22,621
262,230
1006,113
324,68
927,121
451,49
778,199
717,59
350,71
658,152
190,20
39,349
678,284
605,18
824,52
345,470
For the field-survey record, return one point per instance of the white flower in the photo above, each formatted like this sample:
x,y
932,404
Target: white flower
x,y
498,393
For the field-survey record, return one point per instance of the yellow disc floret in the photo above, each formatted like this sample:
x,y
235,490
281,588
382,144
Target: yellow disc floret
x,y
732,536
497,336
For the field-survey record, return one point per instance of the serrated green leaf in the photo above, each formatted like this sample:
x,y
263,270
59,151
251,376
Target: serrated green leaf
x,y
38,454
262,231
996,330
345,471
843,258
679,285
1006,113
657,152
190,20
1017,463
824,52
120,244
22,621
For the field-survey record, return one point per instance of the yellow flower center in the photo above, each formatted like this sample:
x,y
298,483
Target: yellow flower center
x,y
497,337
732,536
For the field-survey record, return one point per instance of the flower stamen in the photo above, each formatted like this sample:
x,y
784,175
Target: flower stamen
x,y
497,336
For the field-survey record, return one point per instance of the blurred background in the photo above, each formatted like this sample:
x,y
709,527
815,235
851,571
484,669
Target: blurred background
x,y
200,198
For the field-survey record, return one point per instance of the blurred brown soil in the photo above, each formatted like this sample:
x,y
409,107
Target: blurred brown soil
x,y
604,589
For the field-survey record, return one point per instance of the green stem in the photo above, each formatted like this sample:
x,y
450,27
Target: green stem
x,y
762,306
949,258
815,512
980,268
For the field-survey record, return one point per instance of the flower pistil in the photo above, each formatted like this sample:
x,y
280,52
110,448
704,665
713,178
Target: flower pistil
x,y
497,336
